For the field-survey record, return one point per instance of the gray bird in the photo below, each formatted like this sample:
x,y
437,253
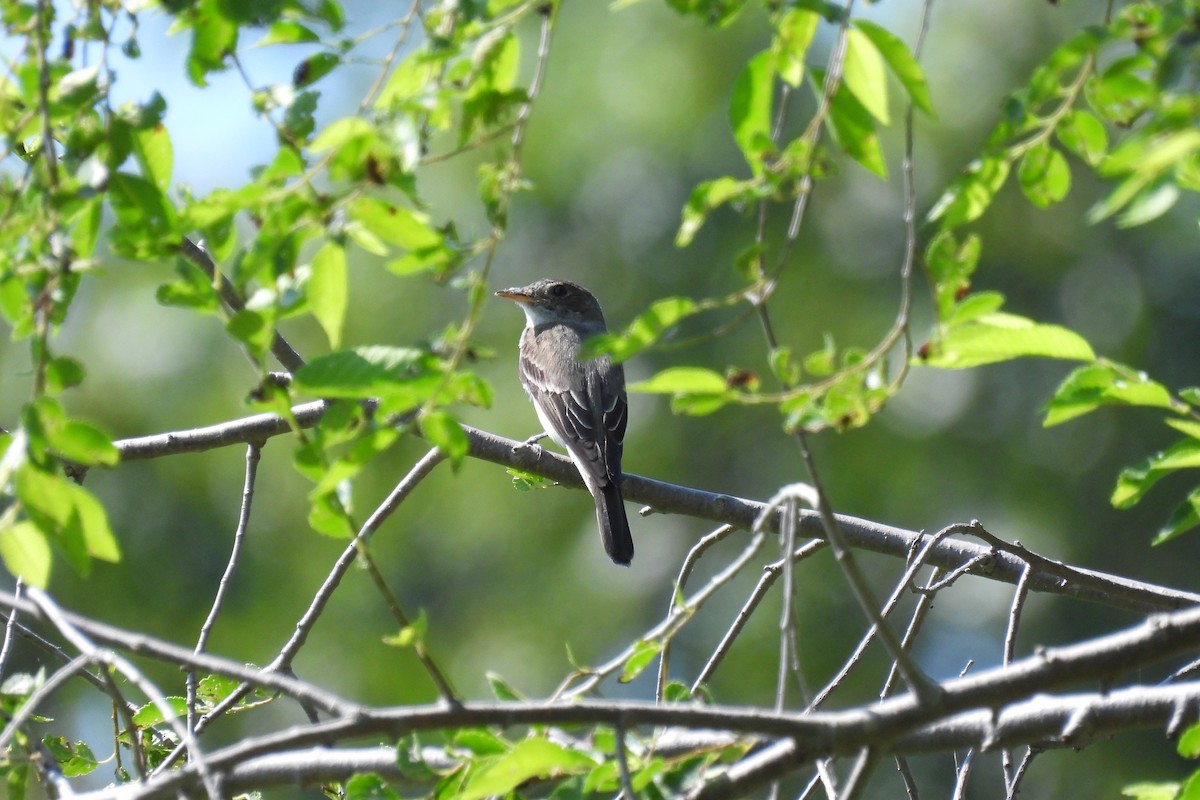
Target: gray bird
x,y
580,403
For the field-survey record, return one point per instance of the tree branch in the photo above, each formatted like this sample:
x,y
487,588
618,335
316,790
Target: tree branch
x,y
1046,576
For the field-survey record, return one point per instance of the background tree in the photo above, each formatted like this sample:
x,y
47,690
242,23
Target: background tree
x,y
896,252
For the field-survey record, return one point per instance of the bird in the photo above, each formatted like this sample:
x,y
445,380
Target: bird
x,y
580,402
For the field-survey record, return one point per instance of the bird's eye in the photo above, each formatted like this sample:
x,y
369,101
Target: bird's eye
x,y
558,290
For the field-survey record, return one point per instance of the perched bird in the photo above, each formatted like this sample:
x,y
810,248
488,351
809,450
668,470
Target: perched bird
x,y
580,402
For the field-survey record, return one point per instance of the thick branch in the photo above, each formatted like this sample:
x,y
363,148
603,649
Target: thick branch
x,y
887,726
662,497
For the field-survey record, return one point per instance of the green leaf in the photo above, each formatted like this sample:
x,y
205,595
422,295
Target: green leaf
x,y
74,758
530,758
1044,175
254,328
213,38
1149,205
327,516
1103,384
853,129
444,432
864,74
313,68
341,132
971,193
750,109
643,331
327,290
286,31
694,380
366,372
152,147
1084,135
481,741
26,553
150,714
1188,745
69,514
706,198
502,689
1134,482
410,635
395,224
1151,791
643,655
63,372
369,786
898,57
1184,518
999,337
793,35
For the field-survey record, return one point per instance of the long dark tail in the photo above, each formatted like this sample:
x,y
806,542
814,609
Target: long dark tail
x,y
614,525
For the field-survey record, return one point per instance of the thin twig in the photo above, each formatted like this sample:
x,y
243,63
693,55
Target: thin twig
x,y
771,573
253,454
623,763
685,571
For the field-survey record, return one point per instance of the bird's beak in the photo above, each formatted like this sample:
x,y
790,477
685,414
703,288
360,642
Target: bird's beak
x,y
516,295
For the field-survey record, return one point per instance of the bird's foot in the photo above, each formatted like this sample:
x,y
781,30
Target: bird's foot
x,y
529,444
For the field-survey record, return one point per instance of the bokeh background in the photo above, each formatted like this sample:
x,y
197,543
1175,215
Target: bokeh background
x,y
632,116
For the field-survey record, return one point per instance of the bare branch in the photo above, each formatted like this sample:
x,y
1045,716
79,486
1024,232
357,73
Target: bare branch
x,y
1048,576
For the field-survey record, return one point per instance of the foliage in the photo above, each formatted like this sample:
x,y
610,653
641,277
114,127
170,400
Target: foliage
x,y
88,184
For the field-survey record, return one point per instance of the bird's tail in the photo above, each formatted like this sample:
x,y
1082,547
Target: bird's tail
x,y
614,525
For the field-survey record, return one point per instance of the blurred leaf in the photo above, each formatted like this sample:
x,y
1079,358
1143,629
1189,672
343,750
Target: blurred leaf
x,y
1184,518
1102,384
998,336
361,373
481,741
63,372
864,74
313,68
971,193
1044,175
1149,205
901,61
327,516
682,380
287,31
395,224
327,290
150,714
73,758
1188,744
69,514
750,109
793,35
1134,482
26,553
706,198
502,689
254,328
853,129
443,431
368,786
152,146
411,635
643,655
1151,791
643,331
1084,135
530,758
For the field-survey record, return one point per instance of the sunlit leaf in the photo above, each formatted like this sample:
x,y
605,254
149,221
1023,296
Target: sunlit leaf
x,y
445,433
1094,385
900,59
1001,337
26,553
1044,175
643,655
750,109
531,758
643,331
865,75
682,379
327,290
1134,482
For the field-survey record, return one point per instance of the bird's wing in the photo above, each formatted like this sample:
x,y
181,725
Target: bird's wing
x,y
582,415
